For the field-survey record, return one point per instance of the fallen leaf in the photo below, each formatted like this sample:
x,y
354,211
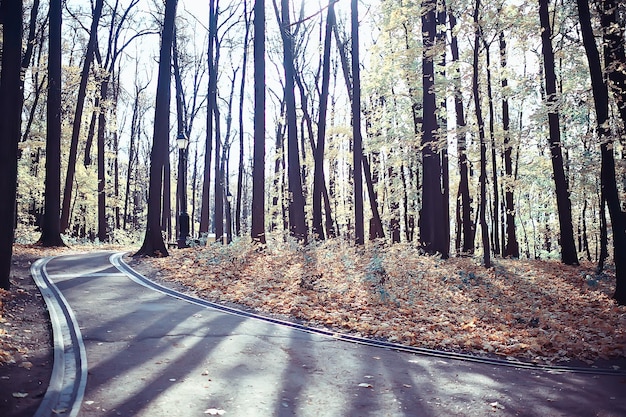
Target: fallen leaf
x,y
366,385
497,405
20,394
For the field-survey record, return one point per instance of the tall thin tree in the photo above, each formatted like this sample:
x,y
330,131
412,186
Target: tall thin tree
x,y
211,100
11,100
51,230
78,114
357,142
511,247
609,190
318,176
464,206
297,219
564,206
153,244
484,229
258,168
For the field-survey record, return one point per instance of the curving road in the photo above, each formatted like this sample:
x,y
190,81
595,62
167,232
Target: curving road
x,y
123,348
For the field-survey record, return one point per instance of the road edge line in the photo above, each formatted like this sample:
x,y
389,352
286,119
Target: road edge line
x,y
66,390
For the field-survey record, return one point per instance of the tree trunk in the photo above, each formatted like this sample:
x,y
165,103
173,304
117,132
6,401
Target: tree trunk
x,y
11,100
51,230
102,221
483,146
242,98
511,249
614,53
609,189
359,228
297,225
318,175
78,115
153,244
433,236
91,132
258,168
212,94
564,205
495,239
467,226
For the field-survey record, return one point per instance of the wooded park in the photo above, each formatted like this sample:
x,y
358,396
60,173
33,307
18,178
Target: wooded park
x,y
453,128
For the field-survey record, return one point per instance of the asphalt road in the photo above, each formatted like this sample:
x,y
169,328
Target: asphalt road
x,y
128,350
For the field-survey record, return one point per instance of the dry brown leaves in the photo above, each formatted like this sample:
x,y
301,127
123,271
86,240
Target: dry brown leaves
x,y
538,310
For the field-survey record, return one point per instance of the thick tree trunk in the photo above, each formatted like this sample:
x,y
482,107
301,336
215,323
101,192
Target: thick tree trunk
x,y
609,189
11,100
564,205
433,235
51,230
153,244
258,168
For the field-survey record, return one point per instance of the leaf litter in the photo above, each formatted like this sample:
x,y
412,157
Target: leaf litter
x,y
536,310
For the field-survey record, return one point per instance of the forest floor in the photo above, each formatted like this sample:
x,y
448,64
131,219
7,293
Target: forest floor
x,y
534,310
540,311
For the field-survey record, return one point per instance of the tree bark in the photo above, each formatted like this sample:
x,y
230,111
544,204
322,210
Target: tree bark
x,y
11,101
564,205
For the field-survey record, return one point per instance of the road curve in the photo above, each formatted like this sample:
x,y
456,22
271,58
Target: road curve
x,y
124,346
